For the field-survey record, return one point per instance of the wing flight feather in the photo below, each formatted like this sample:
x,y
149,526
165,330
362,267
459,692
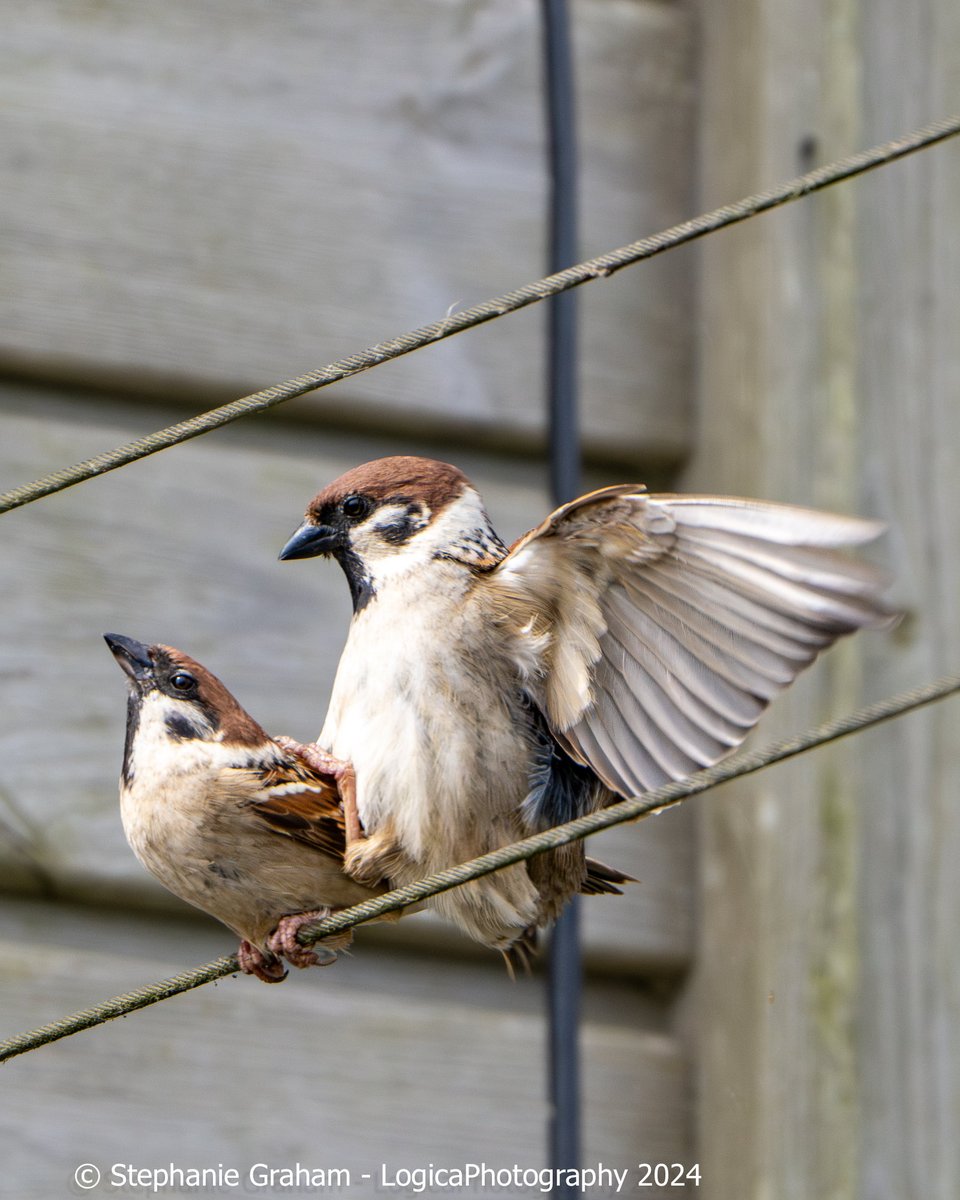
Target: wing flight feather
x,y
668,623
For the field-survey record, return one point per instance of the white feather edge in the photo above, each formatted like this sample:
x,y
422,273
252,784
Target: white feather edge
x,y
723,603
786,524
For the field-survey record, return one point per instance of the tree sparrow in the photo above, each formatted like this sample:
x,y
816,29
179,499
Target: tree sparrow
x,y
231,820
629,640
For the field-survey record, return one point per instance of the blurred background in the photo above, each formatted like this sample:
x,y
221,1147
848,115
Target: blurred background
x,y
201,200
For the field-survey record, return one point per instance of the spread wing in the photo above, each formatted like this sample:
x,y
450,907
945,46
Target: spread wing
x,y
658,628
290,798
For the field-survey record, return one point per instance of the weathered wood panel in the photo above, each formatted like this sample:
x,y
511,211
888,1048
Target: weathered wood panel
x,y
404,1063
182,549
909,241
828,988
214,197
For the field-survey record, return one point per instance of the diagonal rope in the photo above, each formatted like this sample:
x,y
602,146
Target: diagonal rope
x,y
744,763
595,268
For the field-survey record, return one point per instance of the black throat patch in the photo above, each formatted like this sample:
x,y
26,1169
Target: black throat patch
x,y
133,724
361,586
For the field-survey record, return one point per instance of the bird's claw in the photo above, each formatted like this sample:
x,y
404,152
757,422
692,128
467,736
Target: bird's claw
x,y
253,961
369,859
373,859
334,768
283,941
320,760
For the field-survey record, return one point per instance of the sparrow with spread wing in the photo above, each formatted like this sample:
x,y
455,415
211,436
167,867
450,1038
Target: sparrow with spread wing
x,y
239,824
629,640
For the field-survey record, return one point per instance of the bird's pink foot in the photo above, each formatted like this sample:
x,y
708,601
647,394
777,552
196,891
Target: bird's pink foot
x,y
374,859
253,961
370,859
320,760
283,941
337,769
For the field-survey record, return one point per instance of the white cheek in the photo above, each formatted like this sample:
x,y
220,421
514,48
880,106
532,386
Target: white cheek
x,y
438,533
152,758
383,557
464,514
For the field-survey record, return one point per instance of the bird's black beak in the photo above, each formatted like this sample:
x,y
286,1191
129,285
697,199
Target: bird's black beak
x,y
133,657
311,540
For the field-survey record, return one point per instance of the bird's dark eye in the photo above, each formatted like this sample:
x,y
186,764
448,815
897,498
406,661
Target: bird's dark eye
x,y
355,507
182,682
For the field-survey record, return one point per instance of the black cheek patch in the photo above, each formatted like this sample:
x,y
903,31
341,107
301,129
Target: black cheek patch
x,y
182,729
401,530
396,533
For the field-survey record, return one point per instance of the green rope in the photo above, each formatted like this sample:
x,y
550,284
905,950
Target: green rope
x,y
744,763
531,293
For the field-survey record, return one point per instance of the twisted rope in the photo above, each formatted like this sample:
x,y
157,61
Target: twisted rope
x,y
595,268
744,763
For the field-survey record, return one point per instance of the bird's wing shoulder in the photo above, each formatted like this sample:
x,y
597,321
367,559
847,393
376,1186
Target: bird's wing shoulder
x,y
663,625
549,589
288,797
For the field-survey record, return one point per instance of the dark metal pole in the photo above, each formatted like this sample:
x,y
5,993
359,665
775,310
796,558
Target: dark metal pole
x,y
562,252
564,982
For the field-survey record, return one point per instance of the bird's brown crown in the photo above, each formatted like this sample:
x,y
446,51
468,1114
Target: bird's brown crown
x,y
232,720
401,477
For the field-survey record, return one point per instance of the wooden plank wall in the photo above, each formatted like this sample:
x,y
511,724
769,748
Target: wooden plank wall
x,y
829,1060
387,1059
214,197
182,549
202,200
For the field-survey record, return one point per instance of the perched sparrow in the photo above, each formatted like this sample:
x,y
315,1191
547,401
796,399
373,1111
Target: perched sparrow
x,y
231,820
627,641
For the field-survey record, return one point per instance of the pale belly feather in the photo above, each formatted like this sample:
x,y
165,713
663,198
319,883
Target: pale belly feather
x,y
441,753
